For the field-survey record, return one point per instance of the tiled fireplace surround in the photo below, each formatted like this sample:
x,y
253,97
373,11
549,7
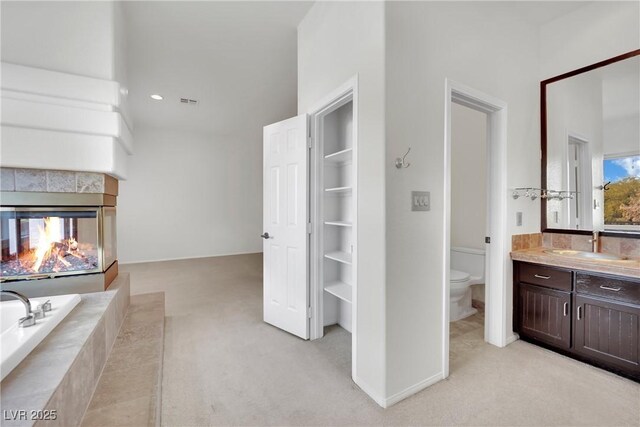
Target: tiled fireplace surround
x,y
48,181
614,245
38,184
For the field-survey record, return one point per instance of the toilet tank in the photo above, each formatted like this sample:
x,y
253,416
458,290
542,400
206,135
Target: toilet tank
x,y
468,260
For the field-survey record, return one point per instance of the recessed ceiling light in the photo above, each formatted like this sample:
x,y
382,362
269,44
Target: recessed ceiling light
x,y
157,97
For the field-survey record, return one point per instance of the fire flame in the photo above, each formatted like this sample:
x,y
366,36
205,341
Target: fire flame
x,y
51,247
49,236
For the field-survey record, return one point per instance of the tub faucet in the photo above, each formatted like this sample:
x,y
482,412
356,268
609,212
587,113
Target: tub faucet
x,y
29,319
595,240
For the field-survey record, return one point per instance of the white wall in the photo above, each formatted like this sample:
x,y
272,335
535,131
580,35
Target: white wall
x,y
487,48
120,72
191,195
588,35
621,108
72,37
336,41
468,177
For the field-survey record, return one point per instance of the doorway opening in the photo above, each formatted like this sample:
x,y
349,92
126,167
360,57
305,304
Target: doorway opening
x,y
579,181
470,192
492,267
333,216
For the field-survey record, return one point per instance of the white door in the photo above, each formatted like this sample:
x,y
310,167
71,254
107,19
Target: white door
x,y
285,201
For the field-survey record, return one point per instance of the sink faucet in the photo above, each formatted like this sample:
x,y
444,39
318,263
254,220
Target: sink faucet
x,y
595,240
29,319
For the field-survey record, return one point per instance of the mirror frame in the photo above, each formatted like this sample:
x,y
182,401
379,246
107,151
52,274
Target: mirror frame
x,y
543,140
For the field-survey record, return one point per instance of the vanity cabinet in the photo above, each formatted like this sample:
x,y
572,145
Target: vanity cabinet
x,y
593,317
607,332
545,315
607,315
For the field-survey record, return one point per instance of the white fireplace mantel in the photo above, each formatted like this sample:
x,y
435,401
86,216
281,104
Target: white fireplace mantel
x,y
59,121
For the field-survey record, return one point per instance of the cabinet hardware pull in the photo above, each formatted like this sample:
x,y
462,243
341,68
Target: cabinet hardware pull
x,y
579,312
608,288
542,277
565,309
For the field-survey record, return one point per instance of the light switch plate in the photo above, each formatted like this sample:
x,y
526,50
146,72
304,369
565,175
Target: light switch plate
x,y
420,201
519,219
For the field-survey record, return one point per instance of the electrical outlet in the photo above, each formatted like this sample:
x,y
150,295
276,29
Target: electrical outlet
x,y
519,219
420,201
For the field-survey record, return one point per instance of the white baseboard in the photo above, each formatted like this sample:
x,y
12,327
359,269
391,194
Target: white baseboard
x,y
511,338
187,257
411,390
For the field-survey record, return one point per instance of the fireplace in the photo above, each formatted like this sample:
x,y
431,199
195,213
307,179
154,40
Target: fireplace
x,y
53,242
57,232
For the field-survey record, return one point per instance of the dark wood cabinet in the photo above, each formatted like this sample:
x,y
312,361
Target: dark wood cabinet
x,y
607,332
545,314
590,316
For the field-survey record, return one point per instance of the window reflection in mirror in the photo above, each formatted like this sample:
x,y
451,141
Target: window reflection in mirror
x,y
593,148
622,193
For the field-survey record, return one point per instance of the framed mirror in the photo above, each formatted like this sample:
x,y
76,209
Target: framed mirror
x,y
591,148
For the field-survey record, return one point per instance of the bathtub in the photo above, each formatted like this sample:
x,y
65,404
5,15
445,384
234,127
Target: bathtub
x,y
15,342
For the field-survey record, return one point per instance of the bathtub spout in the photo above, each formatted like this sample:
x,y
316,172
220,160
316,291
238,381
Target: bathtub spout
x,y
29,319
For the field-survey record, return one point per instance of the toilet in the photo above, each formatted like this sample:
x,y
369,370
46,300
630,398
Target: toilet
x,y
467,268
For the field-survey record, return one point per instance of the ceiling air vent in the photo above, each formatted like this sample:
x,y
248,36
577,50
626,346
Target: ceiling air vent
x,y
189,101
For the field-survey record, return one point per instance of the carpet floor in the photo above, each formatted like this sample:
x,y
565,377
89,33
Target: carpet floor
x,y
224,366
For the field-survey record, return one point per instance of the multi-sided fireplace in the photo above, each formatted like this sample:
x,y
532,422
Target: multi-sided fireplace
x,y
55,242
52,242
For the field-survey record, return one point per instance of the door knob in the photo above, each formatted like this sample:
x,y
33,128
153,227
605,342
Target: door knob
x,y
265,236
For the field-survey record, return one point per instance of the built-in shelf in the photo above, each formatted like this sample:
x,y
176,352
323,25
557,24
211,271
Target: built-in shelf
x,y
339,289
339,256
338,223
338,190
339,156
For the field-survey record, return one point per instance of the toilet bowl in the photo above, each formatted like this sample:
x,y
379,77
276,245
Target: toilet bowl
x,y
460,295
467,269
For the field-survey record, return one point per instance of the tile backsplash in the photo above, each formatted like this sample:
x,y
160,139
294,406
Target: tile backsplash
x,y
614,245
526,241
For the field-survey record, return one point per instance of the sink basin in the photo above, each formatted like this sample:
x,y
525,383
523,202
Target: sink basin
x,y
584,254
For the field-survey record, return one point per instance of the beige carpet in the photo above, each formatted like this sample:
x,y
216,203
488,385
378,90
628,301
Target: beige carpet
x,y
224,366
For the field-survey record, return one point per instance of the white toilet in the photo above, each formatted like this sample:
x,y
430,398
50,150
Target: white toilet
x,y
467,268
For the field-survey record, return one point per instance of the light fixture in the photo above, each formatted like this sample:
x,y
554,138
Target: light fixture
x,y
157,97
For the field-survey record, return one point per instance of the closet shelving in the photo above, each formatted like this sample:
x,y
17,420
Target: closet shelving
x,y
339,156
339,256
339,223
337,216
339,289
338,190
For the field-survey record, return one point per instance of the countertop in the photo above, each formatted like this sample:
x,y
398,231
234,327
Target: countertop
x,y
629,268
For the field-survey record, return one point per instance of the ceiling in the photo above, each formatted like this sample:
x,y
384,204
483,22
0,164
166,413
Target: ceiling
x,y
233,57
238,59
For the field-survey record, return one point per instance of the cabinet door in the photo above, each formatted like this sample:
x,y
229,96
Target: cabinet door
x,y
545,315
608,332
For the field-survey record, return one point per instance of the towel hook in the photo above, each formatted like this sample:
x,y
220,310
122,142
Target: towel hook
x,y
400,163
604,187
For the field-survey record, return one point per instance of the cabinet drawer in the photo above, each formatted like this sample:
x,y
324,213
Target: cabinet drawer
x,y
549,277
613,288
